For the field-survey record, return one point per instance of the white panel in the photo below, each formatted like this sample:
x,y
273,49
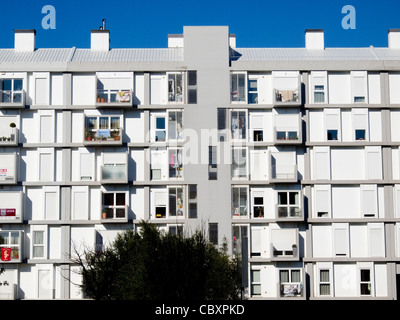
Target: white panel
x,y
322,201
51,204
86,166
321,163
345,280
57,89
347,164
394,85
358,240
339,88
46,167
139,89
345,202
80,202
376,240
341,239
158,89
369,201
359,85
41,91
321,241
55,242
45,288
258,164
375,125
316,126
264,89
347,125
381,280
394,121
46,128
373,162
283,239
374,88
256,240
83,89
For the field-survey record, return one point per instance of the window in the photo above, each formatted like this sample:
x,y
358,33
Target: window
x,y
102,128
160,132
239,163
239,237
176,230
253,91
176,200
365,282
238,83
213,233
212,163
114,205
360,119
258,207
221,123
175,87
288,204
332,135
360,134
11,91
38,244
10,246
255,282
175,126
175,163
324,283
239,201
319,94
290,282
192,87
238,125
192,192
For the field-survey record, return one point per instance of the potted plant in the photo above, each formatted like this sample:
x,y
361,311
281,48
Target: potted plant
x,y
12,126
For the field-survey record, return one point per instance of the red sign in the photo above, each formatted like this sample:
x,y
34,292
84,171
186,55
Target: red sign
x,y
7,212
5,254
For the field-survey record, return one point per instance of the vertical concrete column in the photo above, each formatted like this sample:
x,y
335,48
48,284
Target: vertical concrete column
x,y
146,99
67,89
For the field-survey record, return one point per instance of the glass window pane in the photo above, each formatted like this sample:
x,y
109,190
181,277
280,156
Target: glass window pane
x,y
284,275
295,276
256,276
360,134
241,86
17,84
258,200
14,238
38,237
324,275
120,199
365,275
38,252
91,123
332,135
115,123
4,238
324,289
7,84
282,197
108,199
293,198
172,202
103,123
160,123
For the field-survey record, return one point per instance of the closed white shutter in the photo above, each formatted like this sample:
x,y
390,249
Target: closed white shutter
x,y
321,163
80,202
87,166
41,91
51,203
376,240
256,241
373,162
322,201
46,167
369,200
341,239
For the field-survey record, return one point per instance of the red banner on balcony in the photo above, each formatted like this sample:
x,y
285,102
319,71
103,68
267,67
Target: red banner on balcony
x,y
8,212
5,254
3,172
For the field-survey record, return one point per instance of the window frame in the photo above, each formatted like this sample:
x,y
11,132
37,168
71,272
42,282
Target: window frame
x,y
114,207
175,92
10,245
235,133
288,206
236,212
237,80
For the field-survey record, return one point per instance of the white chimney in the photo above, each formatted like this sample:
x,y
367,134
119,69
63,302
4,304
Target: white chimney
x,y
394,38
24,40
100,40
232,40
175,41
315,39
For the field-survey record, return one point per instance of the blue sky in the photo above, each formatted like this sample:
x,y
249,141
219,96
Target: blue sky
x,y
146,24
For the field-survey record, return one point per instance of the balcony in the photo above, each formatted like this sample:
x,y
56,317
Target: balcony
x,y
10,246
114,173
12,98
114,98
288,136
103,137
283,173
114,208
287,97
10,139
11,207
285,244
288,213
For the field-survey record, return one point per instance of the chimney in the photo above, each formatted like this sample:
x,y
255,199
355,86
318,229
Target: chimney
x,y
315,39
100,40
24,40
175,41
232,40
394,38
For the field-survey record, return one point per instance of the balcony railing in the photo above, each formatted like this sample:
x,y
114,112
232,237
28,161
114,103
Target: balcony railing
x,y
291,289
12,99
114,214
111,98
103,136
287,97
289,136
288,212
8,168
114,173
285,244
10,246
283,173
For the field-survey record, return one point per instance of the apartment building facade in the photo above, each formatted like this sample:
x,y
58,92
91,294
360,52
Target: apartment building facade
x,y
290,155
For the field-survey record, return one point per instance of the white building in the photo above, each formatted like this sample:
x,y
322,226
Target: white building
x,y
289,153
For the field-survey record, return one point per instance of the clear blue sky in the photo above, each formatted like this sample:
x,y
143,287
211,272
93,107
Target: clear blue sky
x,y
147,23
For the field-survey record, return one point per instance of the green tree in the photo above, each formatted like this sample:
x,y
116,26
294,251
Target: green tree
x,y
154,265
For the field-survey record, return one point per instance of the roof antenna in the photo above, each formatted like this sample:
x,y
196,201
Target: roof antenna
x,y
103,27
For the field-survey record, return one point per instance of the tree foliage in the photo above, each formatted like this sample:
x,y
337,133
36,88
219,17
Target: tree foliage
x,y
154,265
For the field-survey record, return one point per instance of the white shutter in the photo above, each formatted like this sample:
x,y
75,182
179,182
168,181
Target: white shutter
x,y
258,164
332,119
369,200
41,91
46,166
256,241
321,163
283,239
80,202
359,86
373,162
341,239
376,240
360,118
51,203
46,129
322,201
87,166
